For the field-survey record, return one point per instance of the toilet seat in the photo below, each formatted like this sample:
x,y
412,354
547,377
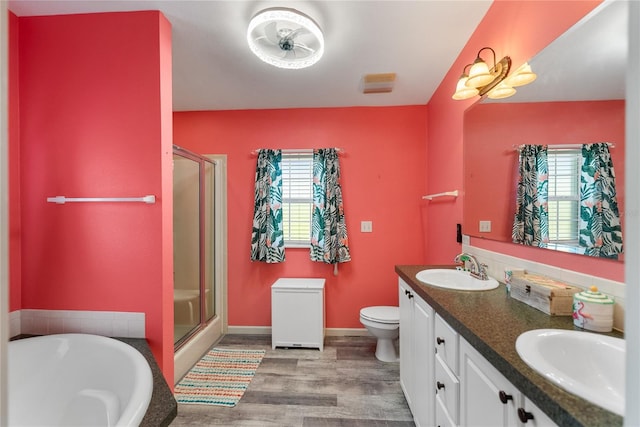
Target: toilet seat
x,y
381,314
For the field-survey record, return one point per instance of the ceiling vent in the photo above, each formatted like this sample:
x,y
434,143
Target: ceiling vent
x,y
378,83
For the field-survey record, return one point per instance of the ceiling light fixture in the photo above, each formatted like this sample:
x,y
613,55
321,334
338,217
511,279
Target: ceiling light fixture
x,y
493,81
285,38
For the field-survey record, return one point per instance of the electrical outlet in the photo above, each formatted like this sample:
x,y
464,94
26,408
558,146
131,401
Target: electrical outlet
x,y
366,227
485,226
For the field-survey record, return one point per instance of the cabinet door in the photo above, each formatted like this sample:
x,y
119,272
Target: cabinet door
x,y
297,318
405,300
486,397
423,359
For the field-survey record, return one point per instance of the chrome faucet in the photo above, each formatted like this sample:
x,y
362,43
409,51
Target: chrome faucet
x,y
477,270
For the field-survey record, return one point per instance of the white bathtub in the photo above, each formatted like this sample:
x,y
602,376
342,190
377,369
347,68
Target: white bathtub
x,y
77,380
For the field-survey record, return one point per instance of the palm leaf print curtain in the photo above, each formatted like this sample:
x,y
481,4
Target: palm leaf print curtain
x,y
329,242
267,239
531,224
600,231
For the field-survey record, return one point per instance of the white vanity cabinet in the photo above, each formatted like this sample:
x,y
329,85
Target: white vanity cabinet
x,y
416,355
487,398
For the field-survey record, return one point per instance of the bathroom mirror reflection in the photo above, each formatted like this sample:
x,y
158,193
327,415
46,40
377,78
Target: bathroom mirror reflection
x,y
577,98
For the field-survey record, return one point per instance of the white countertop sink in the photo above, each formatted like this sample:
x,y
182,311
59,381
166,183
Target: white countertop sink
x,y
455,279
586,364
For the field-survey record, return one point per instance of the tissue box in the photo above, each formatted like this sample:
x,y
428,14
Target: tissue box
x,y
547,295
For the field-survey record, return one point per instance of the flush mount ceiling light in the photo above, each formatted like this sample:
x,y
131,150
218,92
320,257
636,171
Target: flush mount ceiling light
x,y
285,38
492,81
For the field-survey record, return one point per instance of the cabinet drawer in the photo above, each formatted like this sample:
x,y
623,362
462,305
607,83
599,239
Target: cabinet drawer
x,y
442,416
446,343
447,388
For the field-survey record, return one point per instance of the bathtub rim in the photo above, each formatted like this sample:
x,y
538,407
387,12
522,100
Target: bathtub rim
x,y
131,413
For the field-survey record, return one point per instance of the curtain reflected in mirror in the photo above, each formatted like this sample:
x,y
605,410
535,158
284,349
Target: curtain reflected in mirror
x,y
566,200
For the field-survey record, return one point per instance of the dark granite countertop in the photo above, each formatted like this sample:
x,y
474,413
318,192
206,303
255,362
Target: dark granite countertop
x,y
491,321
163,407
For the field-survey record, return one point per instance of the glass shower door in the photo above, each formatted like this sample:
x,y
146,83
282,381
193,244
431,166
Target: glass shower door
x,y
194,243
186,246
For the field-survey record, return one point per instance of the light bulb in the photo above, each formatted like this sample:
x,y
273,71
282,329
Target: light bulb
x,y
501,91
522,76
479,74
462,90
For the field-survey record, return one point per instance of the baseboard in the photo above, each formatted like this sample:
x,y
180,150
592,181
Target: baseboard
x,y
249,330
266,330
345,332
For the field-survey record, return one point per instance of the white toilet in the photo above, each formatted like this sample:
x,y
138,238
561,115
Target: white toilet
x,y
383,322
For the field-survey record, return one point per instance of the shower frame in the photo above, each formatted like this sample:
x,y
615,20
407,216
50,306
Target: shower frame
x,y
216,324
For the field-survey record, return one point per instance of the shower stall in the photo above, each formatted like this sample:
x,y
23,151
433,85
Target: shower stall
x,y
198,243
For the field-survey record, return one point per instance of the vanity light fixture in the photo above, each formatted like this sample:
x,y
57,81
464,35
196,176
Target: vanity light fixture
x,y
285,38
493,81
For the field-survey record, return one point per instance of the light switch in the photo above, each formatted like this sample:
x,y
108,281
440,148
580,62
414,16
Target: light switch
x,y
485,226
366,227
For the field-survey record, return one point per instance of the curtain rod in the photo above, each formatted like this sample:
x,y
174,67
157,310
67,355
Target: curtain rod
x,y
564,146
297,150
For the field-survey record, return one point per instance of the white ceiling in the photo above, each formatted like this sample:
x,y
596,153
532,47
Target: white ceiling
x,y
213,68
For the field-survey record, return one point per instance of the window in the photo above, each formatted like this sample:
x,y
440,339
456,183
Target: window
x,y
564,195
297,197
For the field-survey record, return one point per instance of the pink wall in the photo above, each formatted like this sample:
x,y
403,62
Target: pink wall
x,y
520,30
94,122
381,182
15,249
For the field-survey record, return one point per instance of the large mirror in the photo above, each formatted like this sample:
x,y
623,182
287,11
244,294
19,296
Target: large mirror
x,y
577,98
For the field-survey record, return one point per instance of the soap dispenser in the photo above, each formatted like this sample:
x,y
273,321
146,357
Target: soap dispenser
x,y
592,310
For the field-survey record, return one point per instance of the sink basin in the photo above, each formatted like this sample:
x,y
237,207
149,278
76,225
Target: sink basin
x,y
455,279
586,364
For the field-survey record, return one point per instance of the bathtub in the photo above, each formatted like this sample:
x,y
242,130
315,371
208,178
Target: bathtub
x,y
77,380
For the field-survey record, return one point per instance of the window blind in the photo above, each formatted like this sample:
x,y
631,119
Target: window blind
x,y
297,196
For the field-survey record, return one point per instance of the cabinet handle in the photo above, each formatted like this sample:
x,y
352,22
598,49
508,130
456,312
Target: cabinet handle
x,y
524,415
439,340
410,296
407,292
439,385
504,397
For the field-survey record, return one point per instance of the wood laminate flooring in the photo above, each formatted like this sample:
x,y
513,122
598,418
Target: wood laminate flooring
x,y
344,385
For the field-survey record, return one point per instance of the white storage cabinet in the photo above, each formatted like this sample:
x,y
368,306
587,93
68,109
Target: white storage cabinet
x,y
297,313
